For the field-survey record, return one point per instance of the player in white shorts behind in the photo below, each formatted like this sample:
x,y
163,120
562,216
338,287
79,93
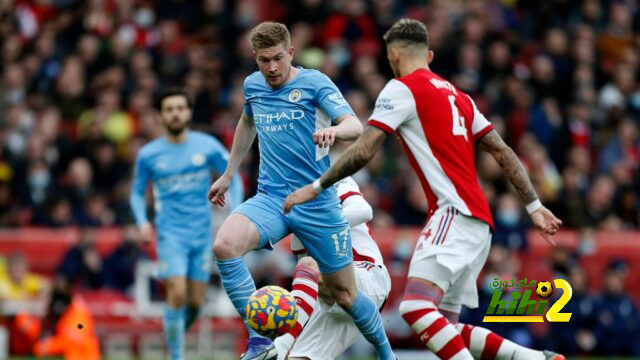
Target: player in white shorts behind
x,y
439,127
330,331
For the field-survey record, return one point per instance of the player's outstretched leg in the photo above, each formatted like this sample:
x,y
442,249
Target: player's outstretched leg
x,y
365,314
487,345
419,308
237,236
174,314
304,289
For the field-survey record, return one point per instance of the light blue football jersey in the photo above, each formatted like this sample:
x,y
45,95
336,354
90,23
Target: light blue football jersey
x,y
181,177
285,119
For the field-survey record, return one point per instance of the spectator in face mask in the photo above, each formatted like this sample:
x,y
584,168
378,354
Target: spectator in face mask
x,y
39,184
510,229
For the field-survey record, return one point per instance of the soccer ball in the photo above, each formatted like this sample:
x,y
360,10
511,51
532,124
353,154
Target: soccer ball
x,y
271,311
544,289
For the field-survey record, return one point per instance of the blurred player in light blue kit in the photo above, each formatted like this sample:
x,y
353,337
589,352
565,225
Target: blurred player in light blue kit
x,y
180,166
297,114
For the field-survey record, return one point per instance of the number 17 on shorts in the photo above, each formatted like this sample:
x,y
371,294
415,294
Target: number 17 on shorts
x,y
341,242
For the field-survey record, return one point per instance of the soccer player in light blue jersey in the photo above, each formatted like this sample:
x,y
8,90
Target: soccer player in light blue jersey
x,y
180,166
297,114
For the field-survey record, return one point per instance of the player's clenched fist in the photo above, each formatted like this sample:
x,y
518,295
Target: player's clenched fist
x,y
324,137
217,190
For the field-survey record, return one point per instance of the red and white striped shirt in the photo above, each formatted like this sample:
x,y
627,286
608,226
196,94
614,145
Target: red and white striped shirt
x,y
438,126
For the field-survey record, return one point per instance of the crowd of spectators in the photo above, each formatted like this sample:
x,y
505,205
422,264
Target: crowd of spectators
x,y
558,79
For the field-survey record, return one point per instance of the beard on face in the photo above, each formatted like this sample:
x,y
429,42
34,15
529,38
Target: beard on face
x,y
176,128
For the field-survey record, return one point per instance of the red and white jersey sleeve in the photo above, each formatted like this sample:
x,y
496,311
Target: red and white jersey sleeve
x,y
394,106
347,187
480,125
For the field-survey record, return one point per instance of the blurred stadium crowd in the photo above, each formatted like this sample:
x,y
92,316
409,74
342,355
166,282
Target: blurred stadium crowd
x,y
558,79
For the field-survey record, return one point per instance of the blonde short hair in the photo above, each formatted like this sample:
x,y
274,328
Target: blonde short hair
x,y
268,34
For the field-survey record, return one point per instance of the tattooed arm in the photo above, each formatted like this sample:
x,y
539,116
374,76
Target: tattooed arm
x,y
353,159
542,218
510,164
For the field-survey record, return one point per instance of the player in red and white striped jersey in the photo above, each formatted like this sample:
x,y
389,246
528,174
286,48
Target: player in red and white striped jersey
x,y
439,127
329,330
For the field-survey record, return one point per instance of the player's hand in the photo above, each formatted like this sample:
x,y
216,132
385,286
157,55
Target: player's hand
x,y
217,190
146,233
300,196
325,137
546,223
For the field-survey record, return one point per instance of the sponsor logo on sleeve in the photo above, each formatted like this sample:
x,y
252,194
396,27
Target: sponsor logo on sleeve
x,y
338,99
384,103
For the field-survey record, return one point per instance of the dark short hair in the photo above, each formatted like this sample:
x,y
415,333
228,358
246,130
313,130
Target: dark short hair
x,y
407,30
169,93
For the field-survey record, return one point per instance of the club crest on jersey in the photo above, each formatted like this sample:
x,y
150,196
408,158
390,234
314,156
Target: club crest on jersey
x,y
295,95
197,159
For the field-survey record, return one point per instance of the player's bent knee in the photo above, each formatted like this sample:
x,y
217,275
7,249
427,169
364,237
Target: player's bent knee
x,y
223,248
309,262
235,238
176,298
228,245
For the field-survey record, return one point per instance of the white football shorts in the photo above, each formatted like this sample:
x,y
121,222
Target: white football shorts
x,y
330,330
451,252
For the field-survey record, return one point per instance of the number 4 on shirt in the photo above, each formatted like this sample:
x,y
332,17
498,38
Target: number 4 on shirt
x,y
459,128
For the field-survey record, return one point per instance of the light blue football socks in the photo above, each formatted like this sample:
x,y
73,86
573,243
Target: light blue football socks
x,y
368,320
174,331
239,285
